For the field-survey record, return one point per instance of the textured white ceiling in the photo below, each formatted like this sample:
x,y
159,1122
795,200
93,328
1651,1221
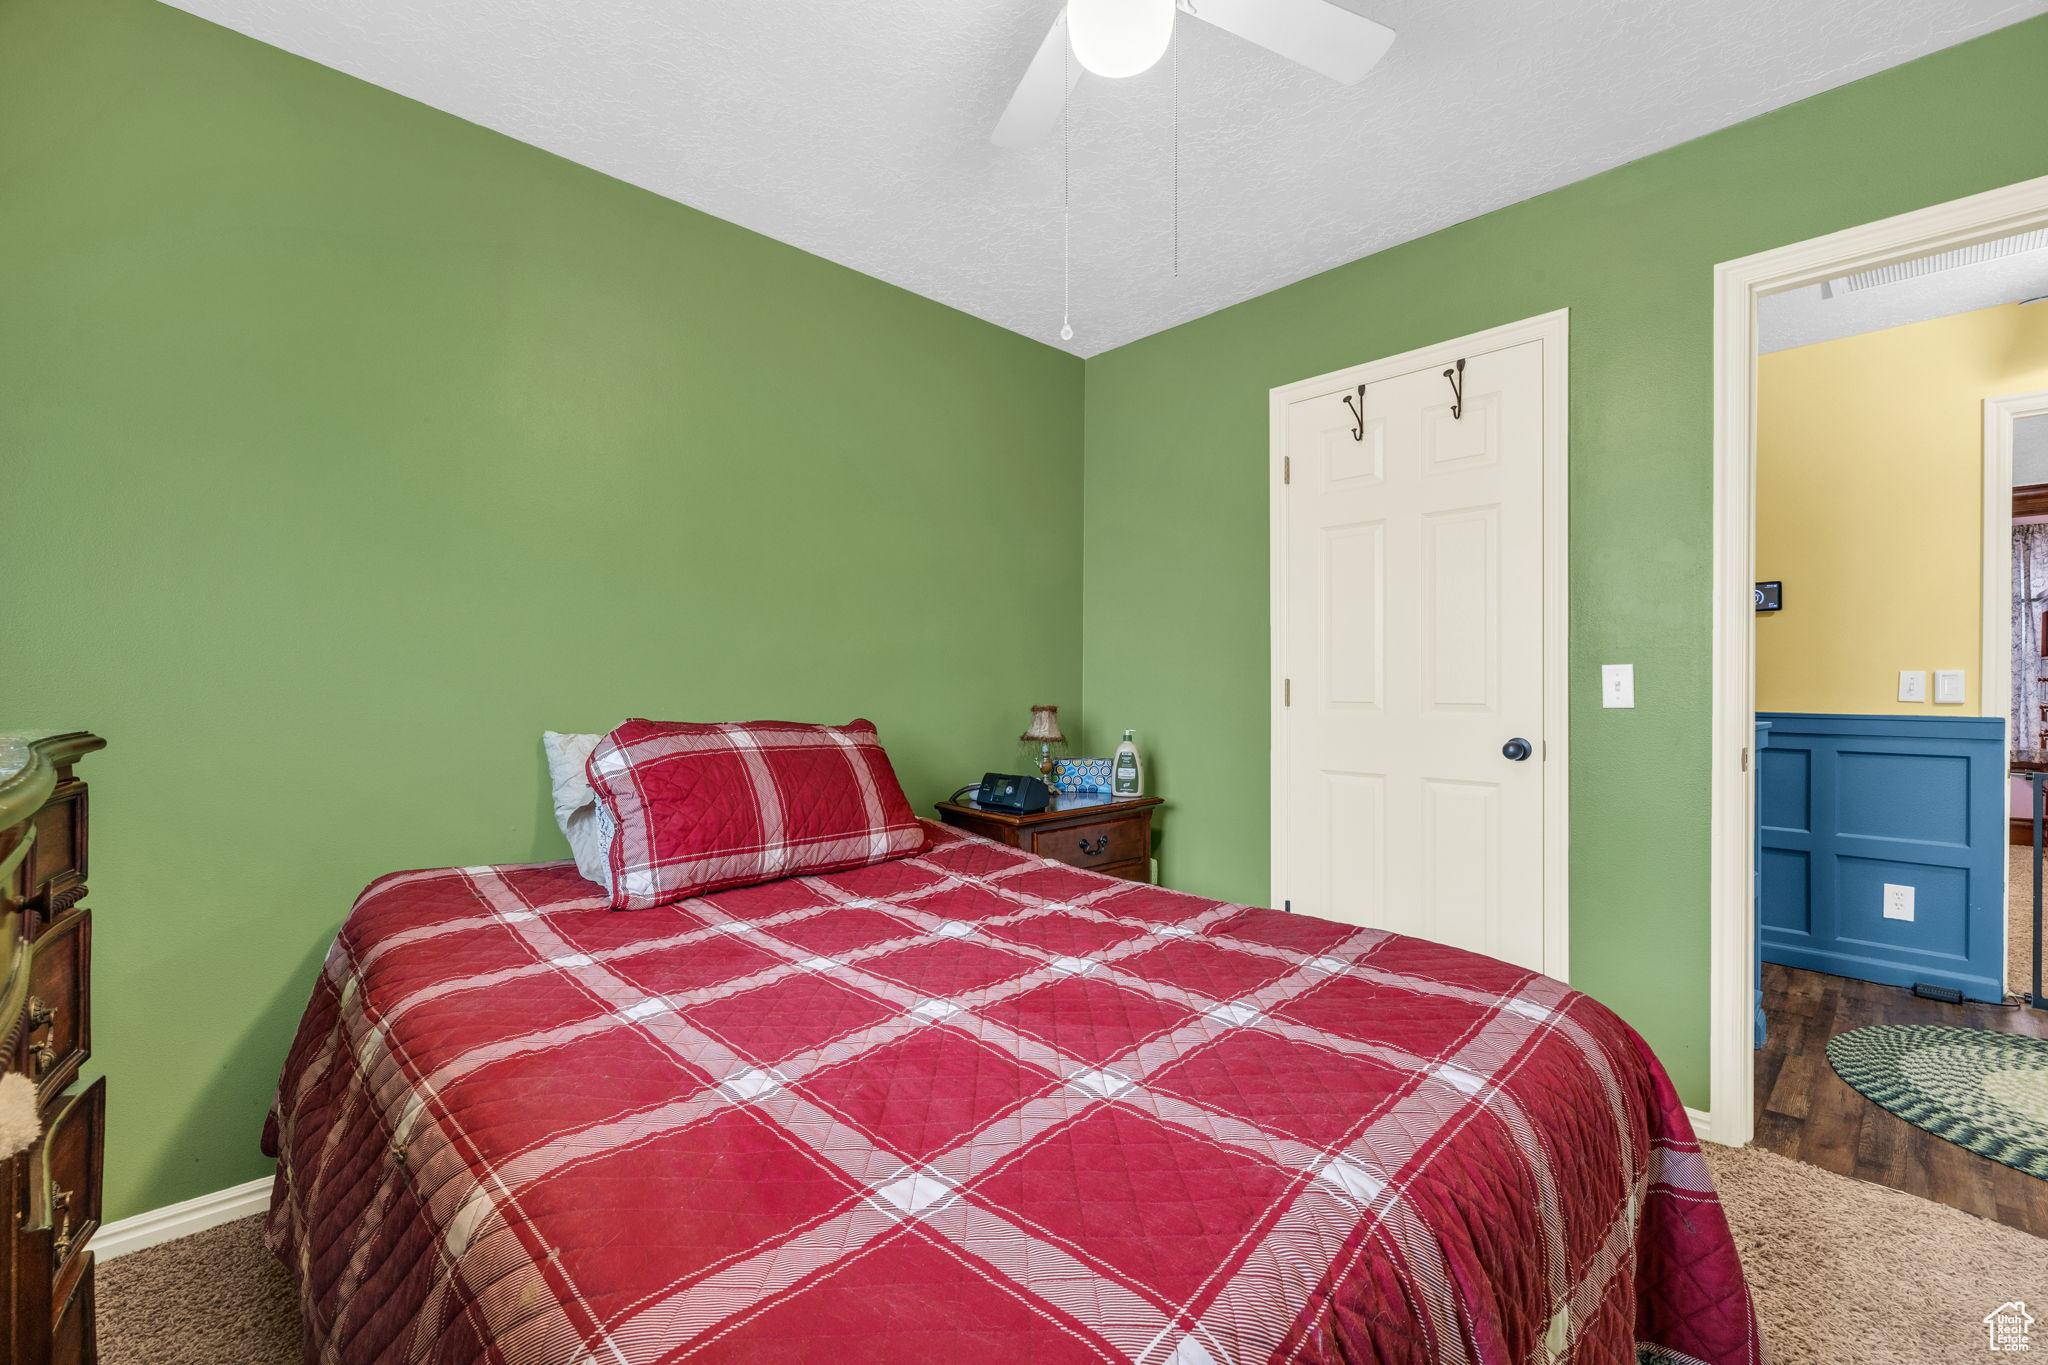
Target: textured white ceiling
x,y
860,131
1803,317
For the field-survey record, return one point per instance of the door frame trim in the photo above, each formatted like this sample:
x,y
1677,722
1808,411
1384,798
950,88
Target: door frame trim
x,y
1738,284
1553,329
1994,670
1994,680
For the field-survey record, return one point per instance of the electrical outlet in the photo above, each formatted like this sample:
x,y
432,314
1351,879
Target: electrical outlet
x,y
1912,684
1948,687
1898,902
1618,685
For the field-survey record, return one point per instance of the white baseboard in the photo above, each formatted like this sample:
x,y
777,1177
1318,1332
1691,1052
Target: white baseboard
x,y
1702,1123
181,1220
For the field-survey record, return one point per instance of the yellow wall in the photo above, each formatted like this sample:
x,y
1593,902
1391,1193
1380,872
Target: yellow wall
x,y
1870,460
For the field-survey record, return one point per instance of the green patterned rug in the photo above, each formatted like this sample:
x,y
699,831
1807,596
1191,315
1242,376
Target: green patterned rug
x,y
1986,1092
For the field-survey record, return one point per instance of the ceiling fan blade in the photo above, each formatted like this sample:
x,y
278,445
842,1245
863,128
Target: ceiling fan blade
x,y
1036,105
1328,40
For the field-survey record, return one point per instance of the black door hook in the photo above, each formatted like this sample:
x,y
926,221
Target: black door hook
x,y
1357,406
1457,378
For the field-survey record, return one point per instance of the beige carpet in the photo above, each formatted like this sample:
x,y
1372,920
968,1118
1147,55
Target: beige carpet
x,y
2019,920
1843,1272
215,1298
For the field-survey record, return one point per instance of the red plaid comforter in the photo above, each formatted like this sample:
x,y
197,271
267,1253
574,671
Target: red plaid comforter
x,y
971,1106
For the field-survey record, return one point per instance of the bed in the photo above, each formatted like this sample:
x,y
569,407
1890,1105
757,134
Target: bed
x,y
970,1105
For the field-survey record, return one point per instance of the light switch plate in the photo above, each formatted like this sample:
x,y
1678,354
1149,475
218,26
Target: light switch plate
x,y
1948,687
1912,684
1898,902
1618,685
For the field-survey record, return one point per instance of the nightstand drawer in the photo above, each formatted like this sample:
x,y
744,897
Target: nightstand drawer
x,y
1139,871
71,1341
67,1200
59,1028
1096,844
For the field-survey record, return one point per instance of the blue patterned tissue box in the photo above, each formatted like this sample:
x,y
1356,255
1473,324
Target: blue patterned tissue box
x,y
1079,775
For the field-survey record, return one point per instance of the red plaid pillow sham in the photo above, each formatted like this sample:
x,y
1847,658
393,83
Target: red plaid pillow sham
x,y
703,808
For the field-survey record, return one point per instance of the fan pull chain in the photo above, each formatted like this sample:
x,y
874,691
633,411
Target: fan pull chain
x,y
1066,196
1176,142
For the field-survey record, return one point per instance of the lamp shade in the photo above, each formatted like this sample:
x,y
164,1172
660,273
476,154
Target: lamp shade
x,y
1045,726
1119,37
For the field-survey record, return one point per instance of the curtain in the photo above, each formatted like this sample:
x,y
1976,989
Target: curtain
x,y
2029,663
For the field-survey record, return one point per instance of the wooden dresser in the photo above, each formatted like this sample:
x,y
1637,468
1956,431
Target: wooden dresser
x,y
1101,833
52,1189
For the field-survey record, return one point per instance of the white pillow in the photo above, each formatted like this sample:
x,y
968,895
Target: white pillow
x,y
576,808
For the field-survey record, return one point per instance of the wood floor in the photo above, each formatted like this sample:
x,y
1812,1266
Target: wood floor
x,y
1806,1112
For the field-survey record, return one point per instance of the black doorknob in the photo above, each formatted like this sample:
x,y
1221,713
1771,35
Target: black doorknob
x,y
1516,749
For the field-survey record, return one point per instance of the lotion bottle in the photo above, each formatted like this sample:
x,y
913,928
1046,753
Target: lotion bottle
x,y
1127,769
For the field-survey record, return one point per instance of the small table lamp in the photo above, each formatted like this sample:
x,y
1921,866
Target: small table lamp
x,y
1044,731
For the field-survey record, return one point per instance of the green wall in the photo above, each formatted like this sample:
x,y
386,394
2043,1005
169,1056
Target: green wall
x,y
1177,503
348,445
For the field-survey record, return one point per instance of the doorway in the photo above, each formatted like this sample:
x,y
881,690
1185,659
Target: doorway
x,y
1418,647
1885,545
1739,287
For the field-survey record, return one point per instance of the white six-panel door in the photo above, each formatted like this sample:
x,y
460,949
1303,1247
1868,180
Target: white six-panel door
x,y
1410,641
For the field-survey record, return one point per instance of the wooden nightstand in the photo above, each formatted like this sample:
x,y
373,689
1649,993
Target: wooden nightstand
x,y
1107,834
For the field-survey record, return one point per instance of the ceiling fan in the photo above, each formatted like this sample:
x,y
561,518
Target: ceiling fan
x,y
1125,37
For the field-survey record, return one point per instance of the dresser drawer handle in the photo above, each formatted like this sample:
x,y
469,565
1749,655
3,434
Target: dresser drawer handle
x,y
61,1243
1100,845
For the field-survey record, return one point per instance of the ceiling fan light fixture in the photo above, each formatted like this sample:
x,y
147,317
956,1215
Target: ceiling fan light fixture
x,y
1119,37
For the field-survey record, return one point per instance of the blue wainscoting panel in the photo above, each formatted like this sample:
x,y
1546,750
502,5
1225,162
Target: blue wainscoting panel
x,y
1851,804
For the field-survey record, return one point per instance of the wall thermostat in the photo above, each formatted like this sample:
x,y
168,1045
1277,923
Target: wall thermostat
x,y
1770,597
